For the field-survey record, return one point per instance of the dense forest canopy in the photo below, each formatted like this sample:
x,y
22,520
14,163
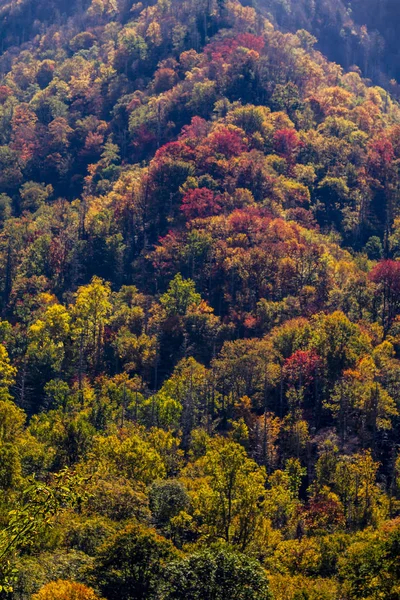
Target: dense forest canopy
x,y
200,303
355,33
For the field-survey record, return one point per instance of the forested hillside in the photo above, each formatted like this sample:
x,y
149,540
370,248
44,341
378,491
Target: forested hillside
x,y
200,309
356,33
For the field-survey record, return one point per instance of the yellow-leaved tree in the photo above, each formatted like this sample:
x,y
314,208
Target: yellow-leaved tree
x,y
65,590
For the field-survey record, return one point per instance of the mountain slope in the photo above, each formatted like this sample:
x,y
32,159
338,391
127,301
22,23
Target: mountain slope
x,y
199,281
353,33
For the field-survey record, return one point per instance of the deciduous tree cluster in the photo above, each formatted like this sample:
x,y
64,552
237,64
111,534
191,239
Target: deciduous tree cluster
x,y
200,309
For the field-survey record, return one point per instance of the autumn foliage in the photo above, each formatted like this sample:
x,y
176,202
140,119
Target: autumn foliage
x,y
200,305
65,590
